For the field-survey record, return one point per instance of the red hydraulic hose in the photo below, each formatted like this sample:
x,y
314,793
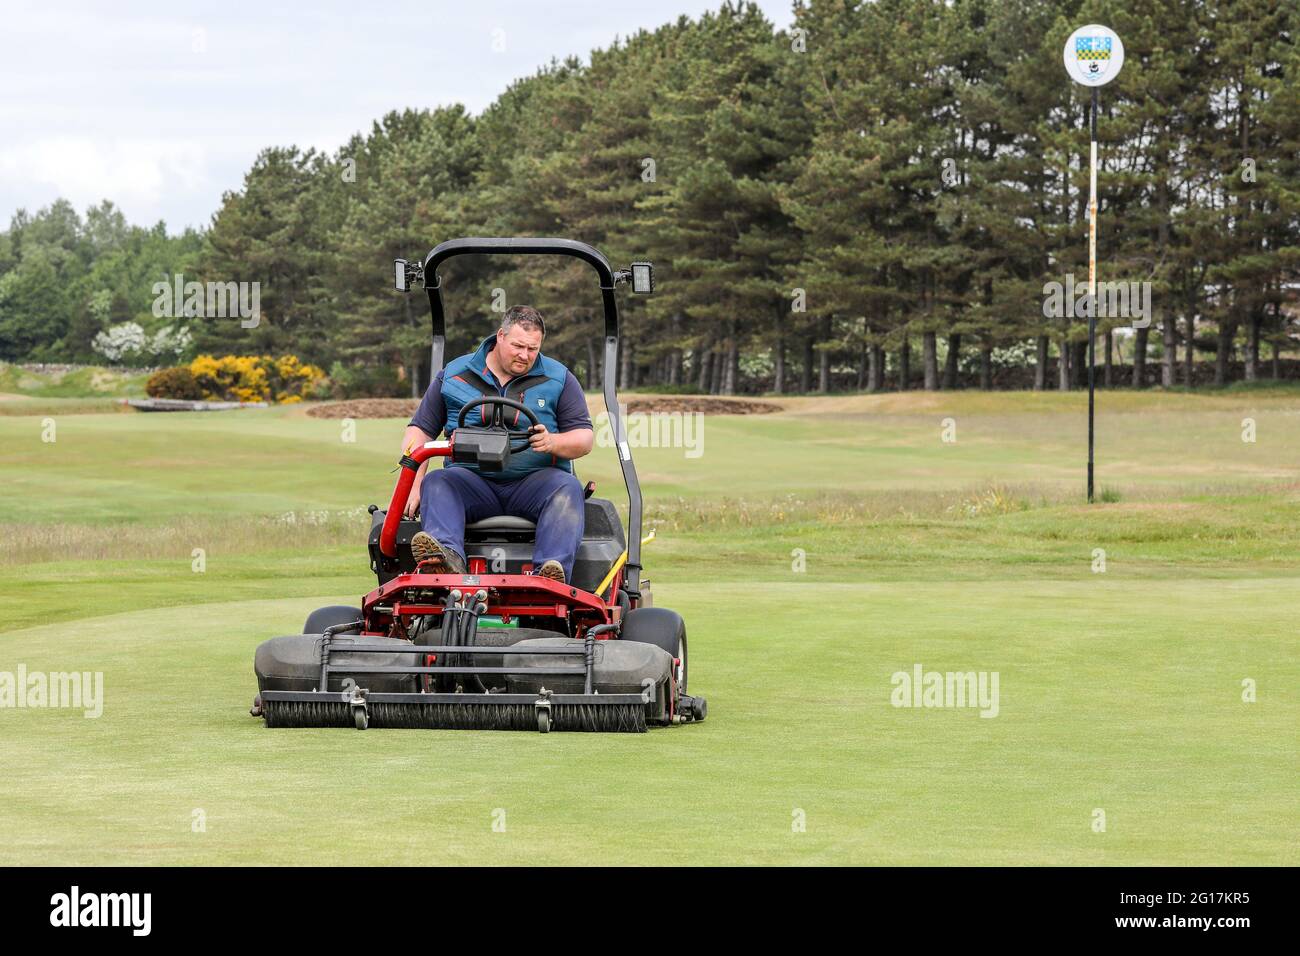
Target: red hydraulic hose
x,y
410,465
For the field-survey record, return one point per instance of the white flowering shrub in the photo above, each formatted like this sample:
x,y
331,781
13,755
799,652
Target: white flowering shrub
x,y
129,342
169,342
121,342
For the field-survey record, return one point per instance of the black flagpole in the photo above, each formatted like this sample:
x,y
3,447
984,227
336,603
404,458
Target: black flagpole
x,y
1092,291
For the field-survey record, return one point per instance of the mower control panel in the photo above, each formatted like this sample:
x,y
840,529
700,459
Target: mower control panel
x,y
488,448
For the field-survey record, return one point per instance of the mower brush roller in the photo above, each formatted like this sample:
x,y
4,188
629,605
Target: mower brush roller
x,y
589,655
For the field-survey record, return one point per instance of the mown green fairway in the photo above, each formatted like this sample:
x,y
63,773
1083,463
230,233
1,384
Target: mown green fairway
x,y
1119,691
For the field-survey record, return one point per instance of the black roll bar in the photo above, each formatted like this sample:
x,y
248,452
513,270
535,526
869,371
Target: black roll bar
x,y
593,257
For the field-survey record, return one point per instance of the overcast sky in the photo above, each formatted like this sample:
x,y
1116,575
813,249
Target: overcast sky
x,y
162,106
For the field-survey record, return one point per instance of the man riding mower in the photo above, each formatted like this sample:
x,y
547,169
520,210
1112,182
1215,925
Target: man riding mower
x,y
539,485
517,601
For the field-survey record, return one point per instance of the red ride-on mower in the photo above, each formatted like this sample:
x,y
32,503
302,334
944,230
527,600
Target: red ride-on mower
x,y
495,648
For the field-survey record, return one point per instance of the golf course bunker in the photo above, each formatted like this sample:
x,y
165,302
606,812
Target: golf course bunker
x,y
367,408
686,404
690,404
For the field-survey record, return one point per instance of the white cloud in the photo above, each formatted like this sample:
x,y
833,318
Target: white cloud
x,y
137,174
161,111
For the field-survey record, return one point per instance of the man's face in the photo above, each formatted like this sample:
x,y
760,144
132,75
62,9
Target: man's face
x,y
517,349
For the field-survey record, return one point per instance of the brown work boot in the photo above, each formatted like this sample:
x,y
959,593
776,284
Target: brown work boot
x,y
553,570
433,558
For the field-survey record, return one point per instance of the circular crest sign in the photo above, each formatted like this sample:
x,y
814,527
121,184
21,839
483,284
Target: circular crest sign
x,y
1093,55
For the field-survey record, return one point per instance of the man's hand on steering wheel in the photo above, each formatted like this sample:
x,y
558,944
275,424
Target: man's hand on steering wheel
x,y
539,439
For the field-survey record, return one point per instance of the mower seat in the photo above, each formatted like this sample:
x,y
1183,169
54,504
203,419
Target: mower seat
x,y
502,523
510,539
503,537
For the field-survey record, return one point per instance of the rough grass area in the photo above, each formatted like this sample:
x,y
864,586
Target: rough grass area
x,y
88,381
14,406
56,391
814,552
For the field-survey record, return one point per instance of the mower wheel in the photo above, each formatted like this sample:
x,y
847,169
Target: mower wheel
x,y
332,616
664,629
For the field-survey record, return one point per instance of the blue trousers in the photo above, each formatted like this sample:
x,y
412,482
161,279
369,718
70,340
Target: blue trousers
x,y
550,497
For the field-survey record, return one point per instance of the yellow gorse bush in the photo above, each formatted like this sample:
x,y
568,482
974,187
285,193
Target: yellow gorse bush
x,y
255,378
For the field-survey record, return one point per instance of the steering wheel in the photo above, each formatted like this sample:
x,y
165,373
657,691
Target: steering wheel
x,y
499,404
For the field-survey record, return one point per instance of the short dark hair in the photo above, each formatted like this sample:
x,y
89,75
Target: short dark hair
x,y
524,315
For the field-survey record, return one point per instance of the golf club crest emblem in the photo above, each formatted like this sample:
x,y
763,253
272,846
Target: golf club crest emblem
x,y
1093,53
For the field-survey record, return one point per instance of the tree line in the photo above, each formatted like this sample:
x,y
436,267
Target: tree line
x,y
879,196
